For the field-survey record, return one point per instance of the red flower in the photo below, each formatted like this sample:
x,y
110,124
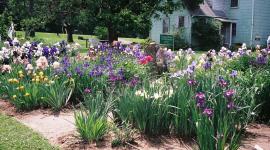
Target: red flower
x,y
149,58
146,60
143,62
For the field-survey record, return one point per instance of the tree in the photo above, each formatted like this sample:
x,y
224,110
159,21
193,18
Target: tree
x,y
30,15
118,15
3,5
68,14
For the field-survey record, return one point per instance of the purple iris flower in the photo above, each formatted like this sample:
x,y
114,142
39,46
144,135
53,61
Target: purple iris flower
x,y
229,94
86,64
207,65
234,73
208,112
230,105
261,60
222,82
87,90
53,50
200,99
134,81
46,51
79,71
192,82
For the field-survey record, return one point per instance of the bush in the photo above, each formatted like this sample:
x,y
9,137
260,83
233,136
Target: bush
x,y
3,29
180,41
205,32
101,32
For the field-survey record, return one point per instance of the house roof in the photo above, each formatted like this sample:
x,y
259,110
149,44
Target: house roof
x,y
205,10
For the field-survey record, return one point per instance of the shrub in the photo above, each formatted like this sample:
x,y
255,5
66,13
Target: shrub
x,y
90,127
101,32
205,32
180,41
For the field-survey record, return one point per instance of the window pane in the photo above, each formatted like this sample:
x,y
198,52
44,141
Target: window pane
x,y
234,3
181,22
234,29
165,25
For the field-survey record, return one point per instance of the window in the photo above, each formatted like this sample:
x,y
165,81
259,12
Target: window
x,y
234,3
181,22
165,26
233,29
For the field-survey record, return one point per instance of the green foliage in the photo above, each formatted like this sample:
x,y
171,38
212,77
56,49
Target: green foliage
x,y
226,125
89,127
30,15
192,4
180,41
241,64
14,135
124,15
205,32
91,121
257,76
101,32
56,98
123,134
3,28
147,109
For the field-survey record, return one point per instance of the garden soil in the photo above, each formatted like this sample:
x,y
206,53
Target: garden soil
x,y
60,130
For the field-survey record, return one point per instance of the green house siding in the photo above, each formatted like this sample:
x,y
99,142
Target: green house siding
x,y
252,18
261,21
243,17
157,25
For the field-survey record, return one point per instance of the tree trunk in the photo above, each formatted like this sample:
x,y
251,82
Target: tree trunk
x,y
69,33
113,36
32,33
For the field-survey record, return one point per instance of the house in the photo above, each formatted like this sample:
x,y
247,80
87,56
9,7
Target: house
x,y
243,21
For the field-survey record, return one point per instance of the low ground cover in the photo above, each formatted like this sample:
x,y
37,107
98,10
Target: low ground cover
x,y
14,135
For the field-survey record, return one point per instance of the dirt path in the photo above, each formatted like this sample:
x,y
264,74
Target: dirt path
x,y
257,136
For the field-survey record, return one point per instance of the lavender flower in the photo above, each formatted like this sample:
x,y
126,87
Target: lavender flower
x,y
230,105
222,82
134,81
207,65
229,94
234,73
261,60
87,90
192,82
208,112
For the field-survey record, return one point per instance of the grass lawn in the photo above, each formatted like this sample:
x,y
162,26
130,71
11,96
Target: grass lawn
x,y
15,136
52,38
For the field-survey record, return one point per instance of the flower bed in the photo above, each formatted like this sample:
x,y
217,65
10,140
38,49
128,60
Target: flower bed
x,y
211,97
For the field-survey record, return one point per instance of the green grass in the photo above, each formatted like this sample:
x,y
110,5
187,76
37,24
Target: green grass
x,y
52,38
15,136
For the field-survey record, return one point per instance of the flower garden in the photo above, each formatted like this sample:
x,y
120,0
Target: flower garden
x,y
126,90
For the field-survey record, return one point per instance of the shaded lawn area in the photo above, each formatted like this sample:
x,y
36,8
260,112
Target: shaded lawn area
x,y
52,38
15,136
